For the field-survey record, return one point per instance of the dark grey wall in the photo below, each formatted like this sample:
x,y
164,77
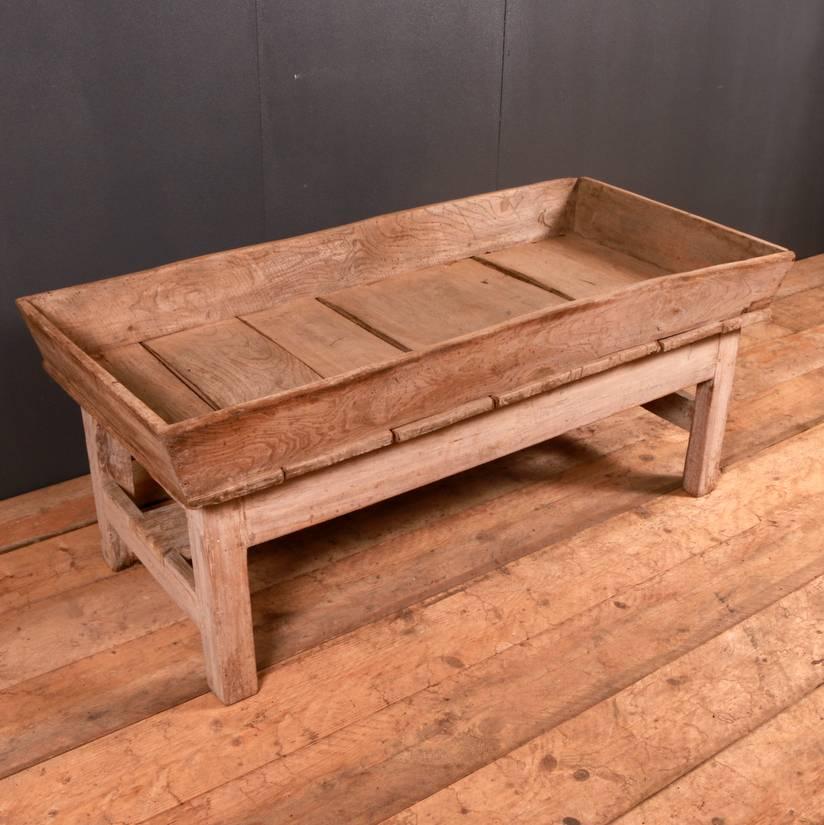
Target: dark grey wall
x,y
142,132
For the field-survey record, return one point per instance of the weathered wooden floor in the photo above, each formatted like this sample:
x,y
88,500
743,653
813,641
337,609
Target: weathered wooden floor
x,y
559,637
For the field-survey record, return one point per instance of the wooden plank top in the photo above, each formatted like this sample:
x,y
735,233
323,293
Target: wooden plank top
x,y
322,338
573,266
229,362
153,383
422,308
282,355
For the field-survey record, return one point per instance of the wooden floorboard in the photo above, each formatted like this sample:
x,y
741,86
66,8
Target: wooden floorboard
x,y
558,636
41,514
773,775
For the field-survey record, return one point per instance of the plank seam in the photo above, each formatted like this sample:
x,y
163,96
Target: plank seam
x,y
520,276
388,339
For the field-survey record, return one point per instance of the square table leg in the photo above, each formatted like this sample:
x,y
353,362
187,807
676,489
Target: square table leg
x,y
712,399
108,459
219,550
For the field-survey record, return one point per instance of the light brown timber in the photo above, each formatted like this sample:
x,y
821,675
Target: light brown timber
x,y
218,542
709,420
375,476
241,281
216,456
89,698
40,514
108,459
431,381
491,615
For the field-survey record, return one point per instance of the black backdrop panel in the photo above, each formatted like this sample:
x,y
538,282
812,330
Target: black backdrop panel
x,y
712,105
129,136
375,105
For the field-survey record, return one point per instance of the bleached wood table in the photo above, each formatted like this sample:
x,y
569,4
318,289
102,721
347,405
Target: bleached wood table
x,y
265,389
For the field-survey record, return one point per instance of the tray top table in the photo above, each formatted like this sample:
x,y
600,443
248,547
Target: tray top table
x,y
267,388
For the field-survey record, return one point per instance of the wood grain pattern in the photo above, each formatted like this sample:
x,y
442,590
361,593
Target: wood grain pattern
x,y
573,266
662,235
775,774
436,422
37,515
108,460
322,579
805,274
474,626
267,434
268,422
218,542
98,392
349,450
153,383
362,481
428,306
323,339
58,707
709,420
241,281
229,362
802,309
597,777
150,545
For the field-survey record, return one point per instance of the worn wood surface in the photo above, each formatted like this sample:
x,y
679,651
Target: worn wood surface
x,y
405,317
709,421
230,362
218,542
154,383
664,236
433,305
108,459
250,444
323,339
40,514
573,266
420,652
241,281
370,478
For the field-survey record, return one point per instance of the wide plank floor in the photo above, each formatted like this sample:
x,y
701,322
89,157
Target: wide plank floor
x,y
558,637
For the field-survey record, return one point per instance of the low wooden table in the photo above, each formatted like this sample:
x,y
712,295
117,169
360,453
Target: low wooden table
x,y
237,397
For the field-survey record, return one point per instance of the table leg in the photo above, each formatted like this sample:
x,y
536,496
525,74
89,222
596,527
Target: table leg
x,y
218,543
712,398
108,459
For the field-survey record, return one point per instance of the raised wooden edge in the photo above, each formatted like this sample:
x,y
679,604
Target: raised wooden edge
x,y
56,346
190,443
240,281
349,450
168,567
719,327
749,245
361,481
105,398
435,422
558,379
633,353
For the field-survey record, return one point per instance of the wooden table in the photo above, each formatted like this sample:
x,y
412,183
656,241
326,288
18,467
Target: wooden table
x,y
240,396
